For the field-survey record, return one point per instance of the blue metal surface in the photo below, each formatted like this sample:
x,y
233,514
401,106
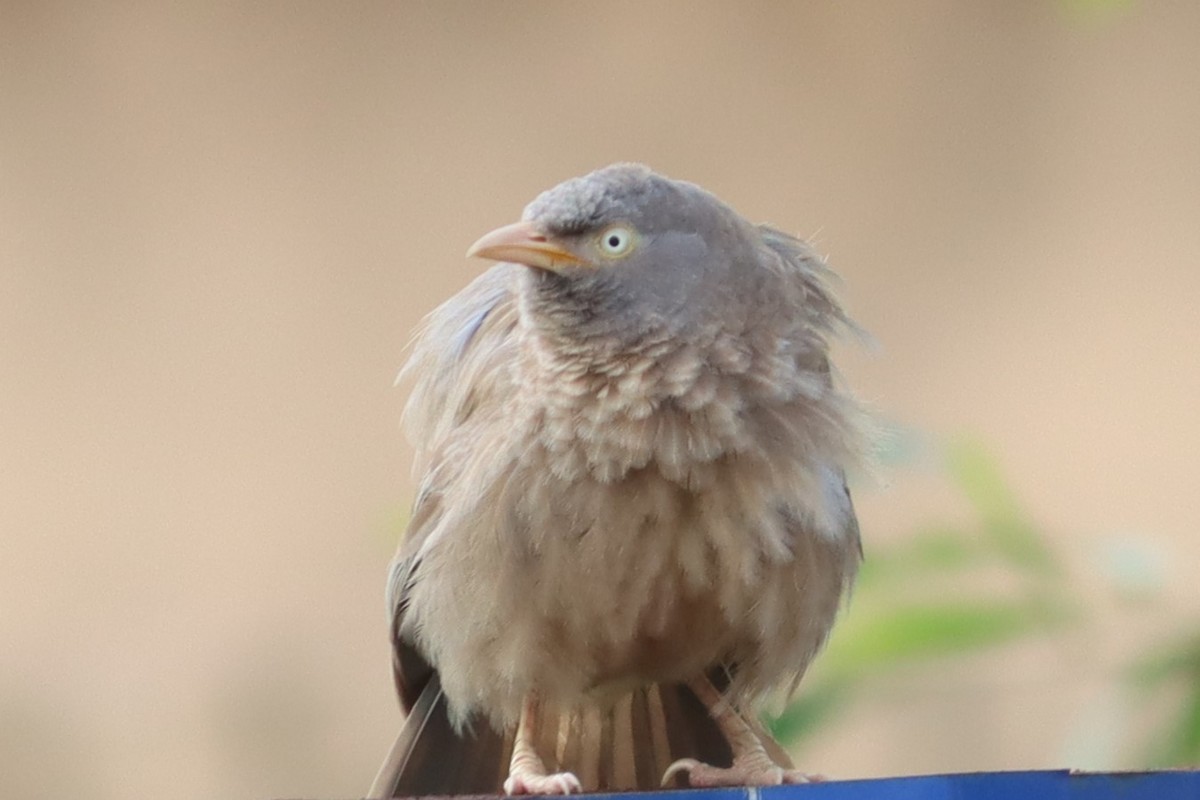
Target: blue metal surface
x,y
1047,785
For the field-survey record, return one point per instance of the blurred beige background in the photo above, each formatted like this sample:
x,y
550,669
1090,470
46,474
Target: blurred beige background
x,y
219,223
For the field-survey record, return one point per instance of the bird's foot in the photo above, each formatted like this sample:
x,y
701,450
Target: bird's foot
x,y
744,772
530,781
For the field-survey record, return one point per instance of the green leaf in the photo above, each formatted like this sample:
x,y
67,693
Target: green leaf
x,y
933,551
910,633
1095,8
1180,745
808,712
1005,526
1180,660
1174,667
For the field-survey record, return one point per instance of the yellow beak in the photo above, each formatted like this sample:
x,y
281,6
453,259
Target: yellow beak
x,y
521,243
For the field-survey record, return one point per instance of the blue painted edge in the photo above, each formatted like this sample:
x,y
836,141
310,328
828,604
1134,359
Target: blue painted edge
x,y
1039,785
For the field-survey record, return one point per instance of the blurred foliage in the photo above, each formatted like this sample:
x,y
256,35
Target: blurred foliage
x,y
951,591
1094,8
941,592
1174,669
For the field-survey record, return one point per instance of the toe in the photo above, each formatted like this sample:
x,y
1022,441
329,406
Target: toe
x,y
683,766
791,776
558,783
567,783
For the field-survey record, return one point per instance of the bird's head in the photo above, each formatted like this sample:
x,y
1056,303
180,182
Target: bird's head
x,y
624,247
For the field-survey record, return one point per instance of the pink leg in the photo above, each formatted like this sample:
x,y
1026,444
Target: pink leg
x,y
751,764
526,772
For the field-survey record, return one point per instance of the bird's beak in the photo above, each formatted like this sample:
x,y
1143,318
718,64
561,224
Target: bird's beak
x,y
522,243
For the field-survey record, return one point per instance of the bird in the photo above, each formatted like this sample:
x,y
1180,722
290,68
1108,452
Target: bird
x,y
632,527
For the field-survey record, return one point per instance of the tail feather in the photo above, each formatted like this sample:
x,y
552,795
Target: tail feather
x,y
625,747
647,759
430,758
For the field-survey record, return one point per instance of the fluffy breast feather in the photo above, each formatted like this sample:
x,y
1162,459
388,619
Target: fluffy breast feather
x,y
577,520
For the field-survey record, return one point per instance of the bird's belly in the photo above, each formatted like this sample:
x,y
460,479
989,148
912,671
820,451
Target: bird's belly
x,y
672,644
608,586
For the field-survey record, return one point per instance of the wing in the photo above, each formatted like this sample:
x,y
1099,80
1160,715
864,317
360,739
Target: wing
x,y
806,284
810,281
461,361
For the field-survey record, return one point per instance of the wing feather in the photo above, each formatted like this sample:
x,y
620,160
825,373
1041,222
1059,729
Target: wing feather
x,y
450,383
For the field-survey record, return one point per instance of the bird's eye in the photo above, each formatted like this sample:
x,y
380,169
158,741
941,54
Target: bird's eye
x,y
616,241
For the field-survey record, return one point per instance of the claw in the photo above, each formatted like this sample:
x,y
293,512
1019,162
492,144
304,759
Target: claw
x,y
701,775
557,783
685,765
